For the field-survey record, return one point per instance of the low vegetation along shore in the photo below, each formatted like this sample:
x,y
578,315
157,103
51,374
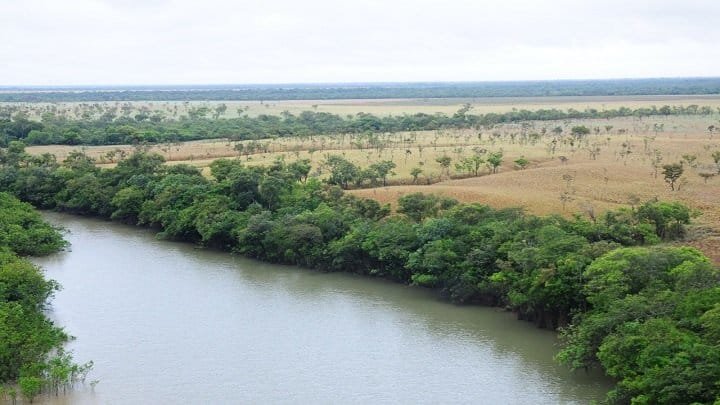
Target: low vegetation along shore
x,y
622,297
32,357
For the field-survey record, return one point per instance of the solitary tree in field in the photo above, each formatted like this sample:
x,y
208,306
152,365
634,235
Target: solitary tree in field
x,y
579,131
220,110
383,169
472,164
657,127
521,163
706,175
565,198
691,160
594,151
655,159
444,163
239,148
672,173
415,172
625,151
716,159
494,160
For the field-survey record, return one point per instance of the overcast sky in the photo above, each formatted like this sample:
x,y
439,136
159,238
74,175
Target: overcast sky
x,y
61,42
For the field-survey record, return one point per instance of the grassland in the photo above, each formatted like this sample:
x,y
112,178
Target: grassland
x,y
620,174
174,109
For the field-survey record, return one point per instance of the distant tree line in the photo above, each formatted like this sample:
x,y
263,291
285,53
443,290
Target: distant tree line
x,y
111,129
617,87
648,315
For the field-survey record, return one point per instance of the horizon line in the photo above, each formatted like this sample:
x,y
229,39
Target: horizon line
x,y
340,84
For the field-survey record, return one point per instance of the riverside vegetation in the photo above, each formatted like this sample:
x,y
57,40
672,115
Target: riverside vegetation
x,y
646,312
32,358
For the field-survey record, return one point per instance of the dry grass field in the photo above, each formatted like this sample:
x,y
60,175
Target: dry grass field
x,y
622,173
174,109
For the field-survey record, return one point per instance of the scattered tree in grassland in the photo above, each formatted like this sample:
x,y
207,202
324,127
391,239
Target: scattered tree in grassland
x,y
672,172
716,159
521,163
444,162
494,160
415,172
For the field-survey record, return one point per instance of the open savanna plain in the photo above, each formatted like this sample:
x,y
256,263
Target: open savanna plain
x,y
619,163
380,107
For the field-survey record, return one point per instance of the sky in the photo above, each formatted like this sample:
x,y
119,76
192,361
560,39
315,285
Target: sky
x,y
125,42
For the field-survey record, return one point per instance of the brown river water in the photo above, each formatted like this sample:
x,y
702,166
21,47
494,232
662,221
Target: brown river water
x,y
167,323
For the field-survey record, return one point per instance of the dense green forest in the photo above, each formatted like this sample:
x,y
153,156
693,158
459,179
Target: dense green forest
x,y
107,126
32,358
617,87
645,311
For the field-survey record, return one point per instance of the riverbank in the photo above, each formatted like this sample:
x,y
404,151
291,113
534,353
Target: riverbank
x,y
166,322
595,278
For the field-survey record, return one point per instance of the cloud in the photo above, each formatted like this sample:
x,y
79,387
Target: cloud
x,y
224,41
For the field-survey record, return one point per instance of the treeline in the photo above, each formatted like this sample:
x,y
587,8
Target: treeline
x,y
32,358
616,87
648,315
109,128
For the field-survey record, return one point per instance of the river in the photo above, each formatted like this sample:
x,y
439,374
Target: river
x,y
167,323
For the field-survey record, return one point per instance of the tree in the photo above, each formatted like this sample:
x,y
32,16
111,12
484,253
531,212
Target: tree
x,y
383,169
415,172
418,206
472,164
444,163
342,171
271,188
239,148
706,175
220,110
494,160
579,131
14,155
300,169
127,203
521,163
716,159
667,217
30,387
691,160
672,173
